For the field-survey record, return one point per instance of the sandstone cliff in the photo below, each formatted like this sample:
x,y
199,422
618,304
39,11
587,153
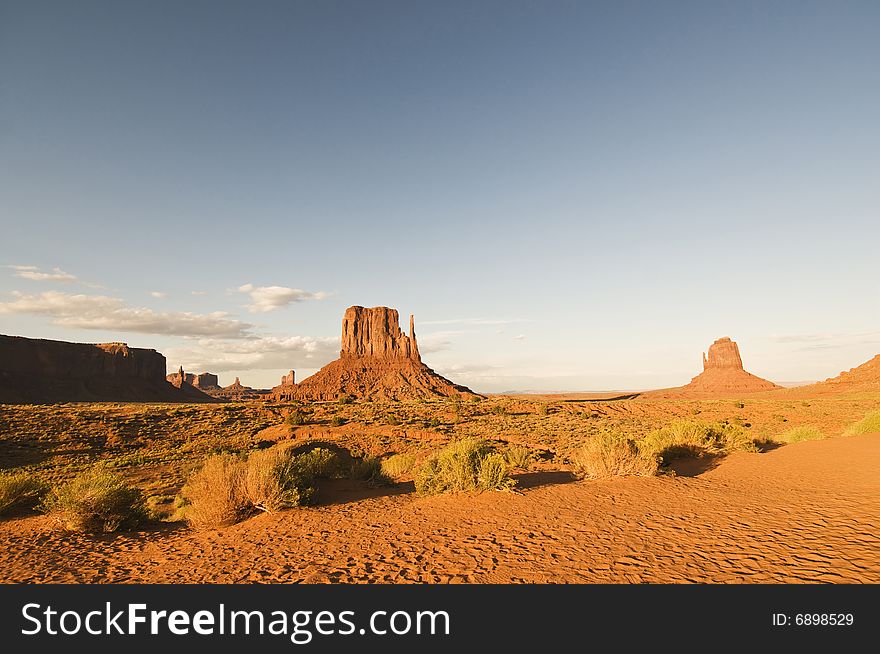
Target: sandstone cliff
x,y
376,361
42,371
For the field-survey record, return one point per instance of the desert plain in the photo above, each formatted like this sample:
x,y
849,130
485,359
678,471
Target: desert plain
x,y
785,512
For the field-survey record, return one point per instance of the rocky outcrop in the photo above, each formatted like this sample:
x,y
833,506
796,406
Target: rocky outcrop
x,y
376,333
289,379
238,392
723,354
204,381
376,361
863,378
723,373
44,371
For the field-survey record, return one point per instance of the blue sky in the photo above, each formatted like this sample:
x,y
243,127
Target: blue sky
x,y
567,195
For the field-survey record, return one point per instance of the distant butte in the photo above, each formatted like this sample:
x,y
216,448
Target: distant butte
x,y
376,361
42,371
723,373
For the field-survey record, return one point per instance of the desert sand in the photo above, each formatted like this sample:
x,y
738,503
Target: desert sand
x,y
805,512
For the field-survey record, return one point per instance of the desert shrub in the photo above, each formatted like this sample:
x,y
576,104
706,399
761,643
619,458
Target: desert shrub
x,y
685,438
494,473
97,500
802,433
226,489
613,455
392,419
272,480
398,465
519,457
337,421
867,425
317,463
345,399
20,490
295,418
369,469
460,467
213,495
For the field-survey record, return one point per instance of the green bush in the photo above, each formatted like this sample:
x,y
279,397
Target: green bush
x,y
317,463
867,425
462,466
337,421
95,501
519,457
613,455
798,434
398,465
686,438
296,418
213,495
227,489
20,490
345,399
369,469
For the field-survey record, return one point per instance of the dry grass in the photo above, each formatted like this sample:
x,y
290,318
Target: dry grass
x,y
226,489
399,465
798,434
612,455
868,425
463,466
685,438
273,480
96,501
213,494
519,457
20,490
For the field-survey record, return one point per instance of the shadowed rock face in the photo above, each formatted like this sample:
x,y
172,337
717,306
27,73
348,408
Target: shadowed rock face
x,y
377,360
37,371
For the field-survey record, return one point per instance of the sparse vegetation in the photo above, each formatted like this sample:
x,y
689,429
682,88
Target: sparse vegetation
x,y
20,490
613,454
369,469
296,418
802,433
685,438
398,465
519,457
345,399
226,489
867,425
463,466
337,421
272,480
96,501
213,496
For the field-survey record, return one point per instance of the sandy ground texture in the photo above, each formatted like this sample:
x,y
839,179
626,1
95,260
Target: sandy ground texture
x,y
807,512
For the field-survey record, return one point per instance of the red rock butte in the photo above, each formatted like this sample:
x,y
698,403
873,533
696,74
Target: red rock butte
x,y
723,373
34,371
376,361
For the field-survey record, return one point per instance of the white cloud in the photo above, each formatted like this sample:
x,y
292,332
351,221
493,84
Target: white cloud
x,y
80,311
519,337
33,273
198,292
158,294
830,340
258,353
270,298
